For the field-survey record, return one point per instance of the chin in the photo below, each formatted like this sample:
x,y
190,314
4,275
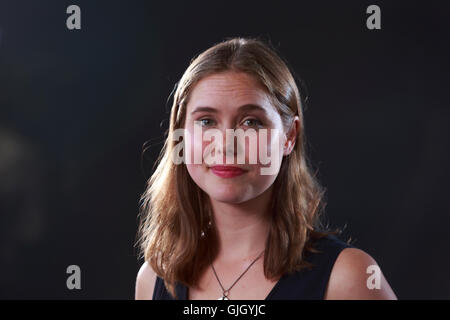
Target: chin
x,y
228,196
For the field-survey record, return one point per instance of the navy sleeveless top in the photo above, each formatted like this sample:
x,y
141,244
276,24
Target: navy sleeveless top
x,y
306,284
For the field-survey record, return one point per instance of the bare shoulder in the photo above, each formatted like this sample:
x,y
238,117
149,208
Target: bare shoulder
x,y
357,276
145,282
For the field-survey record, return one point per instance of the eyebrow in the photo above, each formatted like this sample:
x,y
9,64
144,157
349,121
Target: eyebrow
x,y
244,108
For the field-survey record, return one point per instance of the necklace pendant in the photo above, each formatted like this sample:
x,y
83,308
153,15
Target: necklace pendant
x,y
225,295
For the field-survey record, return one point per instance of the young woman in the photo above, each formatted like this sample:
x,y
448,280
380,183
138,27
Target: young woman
x,y
214,230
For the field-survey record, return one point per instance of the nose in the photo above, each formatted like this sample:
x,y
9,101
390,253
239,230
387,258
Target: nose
x,y
229,147
235,145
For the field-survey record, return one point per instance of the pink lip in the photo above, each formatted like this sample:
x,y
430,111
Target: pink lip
x,y
227,171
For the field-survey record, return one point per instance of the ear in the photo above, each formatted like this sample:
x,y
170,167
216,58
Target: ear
x,y
291,136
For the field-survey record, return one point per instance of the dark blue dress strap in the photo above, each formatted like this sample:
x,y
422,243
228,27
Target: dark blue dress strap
x,y
160,291
311,284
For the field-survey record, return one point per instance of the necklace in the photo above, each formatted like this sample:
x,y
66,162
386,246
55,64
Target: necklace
x,y
227,292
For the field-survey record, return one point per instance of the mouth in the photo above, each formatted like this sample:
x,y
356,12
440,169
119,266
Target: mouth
x,y
227,171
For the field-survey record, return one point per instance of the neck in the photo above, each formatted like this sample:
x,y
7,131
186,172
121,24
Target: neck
x,y
242,228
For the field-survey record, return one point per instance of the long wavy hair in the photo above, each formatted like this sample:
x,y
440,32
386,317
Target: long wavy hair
x,y
176,235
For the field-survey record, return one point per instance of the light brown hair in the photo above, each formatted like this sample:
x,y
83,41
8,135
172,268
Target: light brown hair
x,y
175,212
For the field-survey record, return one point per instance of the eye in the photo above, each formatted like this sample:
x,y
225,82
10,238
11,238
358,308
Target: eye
x,y
251,122
206,122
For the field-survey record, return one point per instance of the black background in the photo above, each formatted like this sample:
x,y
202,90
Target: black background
x,y
76,107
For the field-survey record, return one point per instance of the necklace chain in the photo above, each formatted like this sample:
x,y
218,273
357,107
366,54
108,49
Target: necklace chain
x,y
226,292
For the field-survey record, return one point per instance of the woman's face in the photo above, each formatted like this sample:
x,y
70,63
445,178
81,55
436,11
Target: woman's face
x,y
233,100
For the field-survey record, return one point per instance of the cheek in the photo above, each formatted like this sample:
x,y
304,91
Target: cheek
x,y
195,147
266,148
199,175
194,171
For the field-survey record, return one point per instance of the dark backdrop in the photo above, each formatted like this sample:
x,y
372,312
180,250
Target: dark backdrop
x,y
77,107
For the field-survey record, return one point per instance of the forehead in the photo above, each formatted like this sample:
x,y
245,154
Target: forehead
x,y
228,90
